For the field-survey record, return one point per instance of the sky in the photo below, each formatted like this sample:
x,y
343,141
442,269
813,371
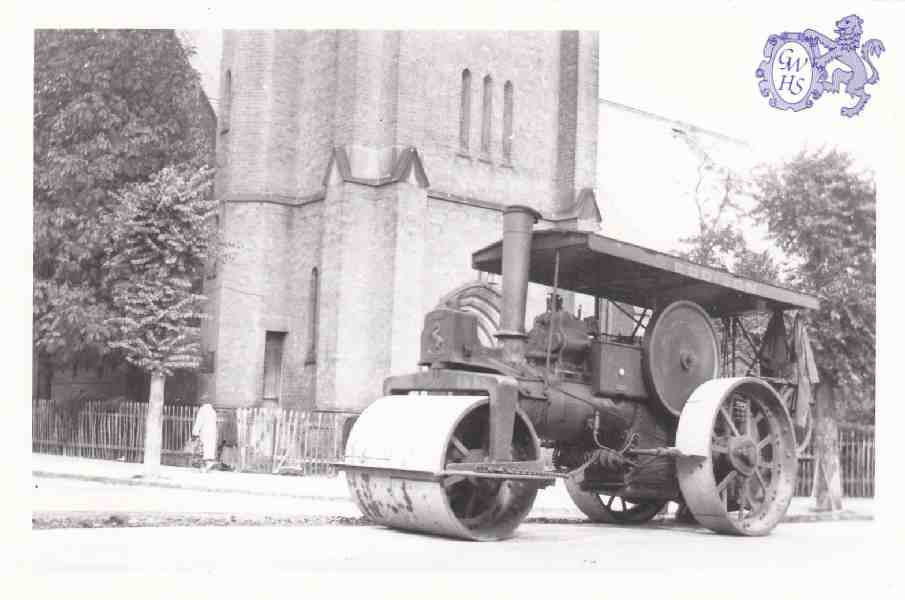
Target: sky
x,y
701,70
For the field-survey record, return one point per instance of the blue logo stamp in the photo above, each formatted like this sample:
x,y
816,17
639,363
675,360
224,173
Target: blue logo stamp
x,y
794,75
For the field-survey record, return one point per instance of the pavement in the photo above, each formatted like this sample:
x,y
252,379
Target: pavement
x,y
227,492
789,563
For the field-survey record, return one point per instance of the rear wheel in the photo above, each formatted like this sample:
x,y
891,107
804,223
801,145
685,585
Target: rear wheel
x,y
738,471
602,508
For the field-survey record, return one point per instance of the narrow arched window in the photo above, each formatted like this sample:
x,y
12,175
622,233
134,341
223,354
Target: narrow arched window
x,y
486,113
226,102
507,122
465,111
212,262
313,307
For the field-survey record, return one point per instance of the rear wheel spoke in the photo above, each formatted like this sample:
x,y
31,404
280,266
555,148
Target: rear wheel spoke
x,y
746,497
728,418
726,481
767,440
760,480
749,419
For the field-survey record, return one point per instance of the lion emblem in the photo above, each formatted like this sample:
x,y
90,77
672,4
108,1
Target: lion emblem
x,y
845,50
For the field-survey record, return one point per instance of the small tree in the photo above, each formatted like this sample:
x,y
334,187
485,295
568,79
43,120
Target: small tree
x,y
162,234
111,107
822,215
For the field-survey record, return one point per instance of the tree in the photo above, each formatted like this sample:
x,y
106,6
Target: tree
x,y
822,214
722,197
162,236
111,108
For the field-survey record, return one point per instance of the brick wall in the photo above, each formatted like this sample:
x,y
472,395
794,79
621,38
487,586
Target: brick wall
x,y
357,266
385,253
429,103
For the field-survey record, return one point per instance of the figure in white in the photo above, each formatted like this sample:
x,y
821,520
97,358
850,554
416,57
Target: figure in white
x,y
205,427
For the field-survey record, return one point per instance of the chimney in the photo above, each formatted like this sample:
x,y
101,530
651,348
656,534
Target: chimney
x,y
518,223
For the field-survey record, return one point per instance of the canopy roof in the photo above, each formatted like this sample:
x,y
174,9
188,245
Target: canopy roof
x,y
601,266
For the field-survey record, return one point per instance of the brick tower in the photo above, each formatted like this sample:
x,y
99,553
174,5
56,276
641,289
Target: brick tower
x,y
357,172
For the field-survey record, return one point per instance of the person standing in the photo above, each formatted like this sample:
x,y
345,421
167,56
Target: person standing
x,y
205,427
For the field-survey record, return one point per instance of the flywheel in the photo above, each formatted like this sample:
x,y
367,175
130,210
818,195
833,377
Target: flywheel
x,y
400,444
680,352
738,469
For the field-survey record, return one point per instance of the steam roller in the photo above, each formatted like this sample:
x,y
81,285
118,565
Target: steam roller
x,y
647,401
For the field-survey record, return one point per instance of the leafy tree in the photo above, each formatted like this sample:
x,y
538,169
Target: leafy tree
x,y
822,214
111,108
162,233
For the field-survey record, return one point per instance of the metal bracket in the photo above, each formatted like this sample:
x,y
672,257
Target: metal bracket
x,y
667,451
503,403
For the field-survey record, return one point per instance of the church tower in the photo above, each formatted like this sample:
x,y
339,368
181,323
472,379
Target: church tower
x,y
357,171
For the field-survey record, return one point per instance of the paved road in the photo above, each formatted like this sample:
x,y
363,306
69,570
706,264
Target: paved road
x,y
321,497
837,556
803,549
72,495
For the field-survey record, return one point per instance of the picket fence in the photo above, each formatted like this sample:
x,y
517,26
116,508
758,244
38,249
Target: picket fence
x,y
301,441
857,459
259,439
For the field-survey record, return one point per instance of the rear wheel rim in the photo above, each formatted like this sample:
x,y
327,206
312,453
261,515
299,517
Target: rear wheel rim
x,y
745,481
802,433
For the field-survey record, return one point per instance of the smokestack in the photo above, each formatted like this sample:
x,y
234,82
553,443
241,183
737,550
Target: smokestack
x,y
518,223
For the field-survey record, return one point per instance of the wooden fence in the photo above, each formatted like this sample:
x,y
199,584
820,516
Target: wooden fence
x,y
856,458
259,439
289,440
301,441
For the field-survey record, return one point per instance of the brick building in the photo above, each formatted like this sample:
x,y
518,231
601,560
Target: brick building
x,y
358,171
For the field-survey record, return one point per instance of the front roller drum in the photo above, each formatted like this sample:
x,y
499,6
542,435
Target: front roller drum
x,y
401,447
739,464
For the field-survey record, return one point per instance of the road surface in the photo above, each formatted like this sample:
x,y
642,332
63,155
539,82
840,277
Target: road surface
x,y
52,494
851,557
686,551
